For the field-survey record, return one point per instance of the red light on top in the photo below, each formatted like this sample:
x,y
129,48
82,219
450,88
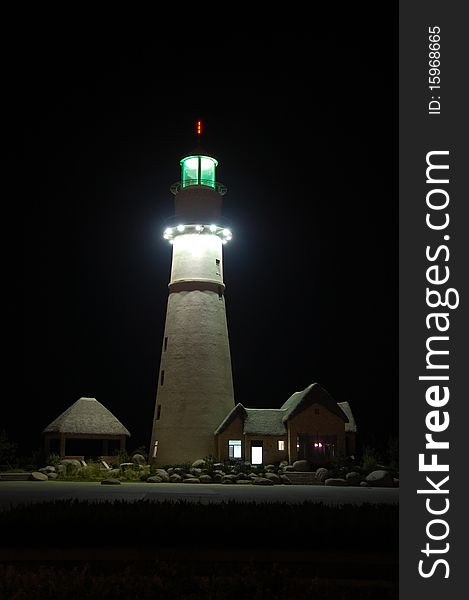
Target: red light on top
x,y
199,127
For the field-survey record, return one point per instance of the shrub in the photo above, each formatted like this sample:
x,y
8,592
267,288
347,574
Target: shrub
x,y
370,459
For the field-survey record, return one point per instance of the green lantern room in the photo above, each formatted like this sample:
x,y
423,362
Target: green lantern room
x,y
198,170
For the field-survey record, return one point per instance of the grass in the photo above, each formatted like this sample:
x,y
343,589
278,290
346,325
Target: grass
x,y
72,523
173,581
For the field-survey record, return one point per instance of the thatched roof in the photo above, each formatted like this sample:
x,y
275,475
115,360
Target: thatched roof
x,y
87,416
313,394
230,417
264,421
272,421
351,425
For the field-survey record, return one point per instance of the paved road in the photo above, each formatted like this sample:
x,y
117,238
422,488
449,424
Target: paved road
x,y
23,492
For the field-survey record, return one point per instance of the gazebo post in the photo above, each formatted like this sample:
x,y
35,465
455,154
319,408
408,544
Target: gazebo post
x,y
105,447
46,445
122,442
62,444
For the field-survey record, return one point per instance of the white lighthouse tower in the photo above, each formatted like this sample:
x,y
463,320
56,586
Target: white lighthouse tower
x,y
195,384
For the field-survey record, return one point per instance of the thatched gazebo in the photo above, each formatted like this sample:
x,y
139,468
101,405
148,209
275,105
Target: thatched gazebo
x,y
86,428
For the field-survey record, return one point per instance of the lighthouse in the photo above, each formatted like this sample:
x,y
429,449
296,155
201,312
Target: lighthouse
x,y
195,383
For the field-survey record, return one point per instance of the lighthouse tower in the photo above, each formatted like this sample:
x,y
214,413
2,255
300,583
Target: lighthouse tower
x,y
195,384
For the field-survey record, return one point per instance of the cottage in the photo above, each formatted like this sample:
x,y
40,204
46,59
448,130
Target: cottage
x,y
87,428
310,425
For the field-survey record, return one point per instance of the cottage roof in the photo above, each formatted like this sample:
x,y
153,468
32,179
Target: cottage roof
x,y
351,425
230,417
264,421
272,421
313,394
87,416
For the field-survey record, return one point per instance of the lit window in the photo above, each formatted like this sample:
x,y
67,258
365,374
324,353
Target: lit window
x,y
256,455
207,171
158,412
190,171
162,378
234,449
281,445
155,449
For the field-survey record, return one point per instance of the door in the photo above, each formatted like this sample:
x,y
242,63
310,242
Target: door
x,y
256,452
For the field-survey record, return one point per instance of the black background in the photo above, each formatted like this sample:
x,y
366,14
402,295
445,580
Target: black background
x,y
303,120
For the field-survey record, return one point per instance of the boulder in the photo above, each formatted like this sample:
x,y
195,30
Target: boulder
x,y
283,463
126,465
217,478
52,475
110,481
379,478
218,466
179,471
205,479
270,468
38,476
70,461
284,479
162,474
243,481
364,484
287,468
218,472
227,479
154,479
353,478
139,459
335,481
49,469
191,480
273,477
301,466
196,471
170,470
199,464
175,478
262,481
322,474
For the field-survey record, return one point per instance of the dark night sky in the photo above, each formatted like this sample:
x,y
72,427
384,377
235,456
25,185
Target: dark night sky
x,y
304,125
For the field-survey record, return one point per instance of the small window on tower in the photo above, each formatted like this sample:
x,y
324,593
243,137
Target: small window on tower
x,y
165,344
158,412
162,378
281,445
217,261
220,292
155,449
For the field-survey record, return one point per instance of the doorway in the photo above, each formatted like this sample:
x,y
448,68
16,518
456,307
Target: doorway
x,y
256,452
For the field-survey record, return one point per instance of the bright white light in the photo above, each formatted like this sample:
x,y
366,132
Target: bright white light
x,y
166,236
213,228
198,227
224,241
168,231
320,445
171,241
227,232
180,228
315,444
